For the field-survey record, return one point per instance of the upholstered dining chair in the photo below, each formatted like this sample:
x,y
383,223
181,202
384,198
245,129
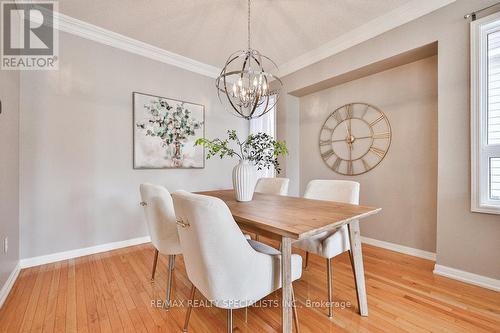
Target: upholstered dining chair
x,y
160,217
231,272
330,244
278,186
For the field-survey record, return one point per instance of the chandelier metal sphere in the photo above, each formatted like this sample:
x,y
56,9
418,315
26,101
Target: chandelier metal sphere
x,y
244,84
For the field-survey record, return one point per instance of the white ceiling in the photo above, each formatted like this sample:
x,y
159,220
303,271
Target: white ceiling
x,y
209,30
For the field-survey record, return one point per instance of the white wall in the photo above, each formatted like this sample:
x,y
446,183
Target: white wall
x,y
465,240
404,184
9,172
78,187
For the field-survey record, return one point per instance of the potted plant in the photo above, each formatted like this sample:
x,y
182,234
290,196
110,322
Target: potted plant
x,y
258,150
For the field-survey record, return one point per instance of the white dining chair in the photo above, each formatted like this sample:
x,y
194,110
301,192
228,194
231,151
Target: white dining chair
x,y
160,218
278,186
330,244
231,272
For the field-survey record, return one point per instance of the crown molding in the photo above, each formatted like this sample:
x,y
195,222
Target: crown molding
x,y
399,16
97,34
92,32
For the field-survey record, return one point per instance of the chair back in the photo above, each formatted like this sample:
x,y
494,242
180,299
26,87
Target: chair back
x,y
345,191
160,218
218,259
278,186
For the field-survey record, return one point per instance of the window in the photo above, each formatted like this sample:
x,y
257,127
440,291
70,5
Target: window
x,y
485,114
265,124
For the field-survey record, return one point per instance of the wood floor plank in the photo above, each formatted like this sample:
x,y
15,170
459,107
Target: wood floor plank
x,y
106,302
112,292
50,314
61,299
67,304
31,308
13,312
81,306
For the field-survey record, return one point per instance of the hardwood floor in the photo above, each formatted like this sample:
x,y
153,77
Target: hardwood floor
x,y
112,292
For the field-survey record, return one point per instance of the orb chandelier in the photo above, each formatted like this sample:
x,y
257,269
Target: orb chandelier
x,y
244,84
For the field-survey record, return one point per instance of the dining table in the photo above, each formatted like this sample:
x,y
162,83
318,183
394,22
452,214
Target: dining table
x,y
288,219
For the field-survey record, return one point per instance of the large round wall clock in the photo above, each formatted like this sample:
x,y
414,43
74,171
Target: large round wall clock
x,y
354,139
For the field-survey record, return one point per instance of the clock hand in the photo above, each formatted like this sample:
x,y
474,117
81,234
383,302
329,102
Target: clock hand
x,y
339,140
347,129
350,151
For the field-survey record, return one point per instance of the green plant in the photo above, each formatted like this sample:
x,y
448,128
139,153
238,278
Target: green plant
x,y
261,149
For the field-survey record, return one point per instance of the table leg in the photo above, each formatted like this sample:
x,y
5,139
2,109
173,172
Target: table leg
x,y
359,272
286,282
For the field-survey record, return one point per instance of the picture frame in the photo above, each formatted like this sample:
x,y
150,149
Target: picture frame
x,y
164,132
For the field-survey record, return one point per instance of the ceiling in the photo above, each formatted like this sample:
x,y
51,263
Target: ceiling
x,y
209,30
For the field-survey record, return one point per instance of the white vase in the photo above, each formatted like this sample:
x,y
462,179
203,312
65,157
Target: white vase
x,y
244,180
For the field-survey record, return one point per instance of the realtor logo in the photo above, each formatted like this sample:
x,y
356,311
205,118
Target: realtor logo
x,y
29,36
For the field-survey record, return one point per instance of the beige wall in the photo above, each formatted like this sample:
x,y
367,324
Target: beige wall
x,y
78,187
405,183
9,172
465,240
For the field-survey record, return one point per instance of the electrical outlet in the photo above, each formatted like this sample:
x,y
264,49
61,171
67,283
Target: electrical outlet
x,y
6,245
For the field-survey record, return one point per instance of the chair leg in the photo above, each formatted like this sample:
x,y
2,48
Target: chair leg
x,y
190,308
295,315
171,263
330,291
354,274
155,261
306,261
246,315
229,320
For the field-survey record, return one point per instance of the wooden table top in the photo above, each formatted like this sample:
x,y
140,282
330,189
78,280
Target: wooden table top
x,y
292,217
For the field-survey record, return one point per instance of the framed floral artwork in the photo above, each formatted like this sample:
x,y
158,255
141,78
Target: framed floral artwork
x,y
165,131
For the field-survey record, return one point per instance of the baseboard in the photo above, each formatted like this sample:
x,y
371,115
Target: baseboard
x,y
50,258
471,278
7,287
399,248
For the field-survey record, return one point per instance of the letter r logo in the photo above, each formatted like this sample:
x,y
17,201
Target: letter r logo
x,y
27,28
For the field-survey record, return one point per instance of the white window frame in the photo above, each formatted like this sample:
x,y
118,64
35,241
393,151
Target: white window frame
x,y
481,152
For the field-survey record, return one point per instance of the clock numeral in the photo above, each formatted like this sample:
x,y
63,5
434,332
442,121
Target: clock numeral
x,y
349,168
325,142
377,120
337,116
377,151
384,135
336,164
365,164
348,111
326,128
326,155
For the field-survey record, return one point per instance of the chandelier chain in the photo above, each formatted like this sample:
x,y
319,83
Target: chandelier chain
x,y
248,22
